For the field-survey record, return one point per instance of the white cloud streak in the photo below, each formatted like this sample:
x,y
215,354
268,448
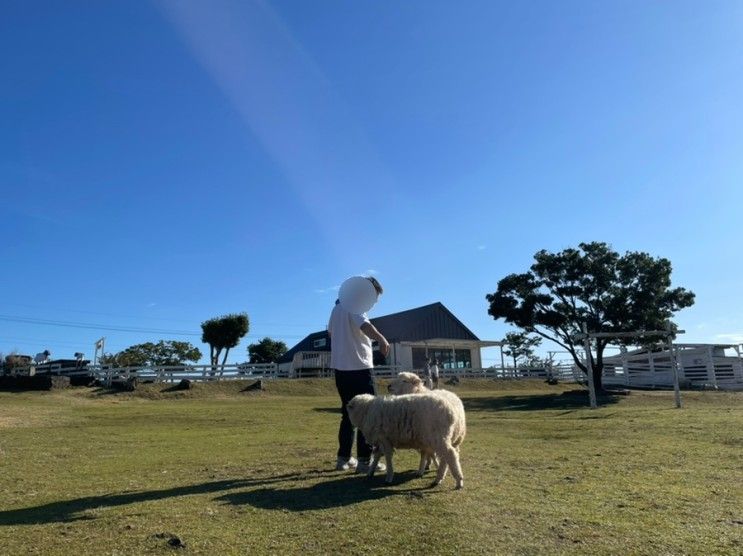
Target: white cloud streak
x,y
285,100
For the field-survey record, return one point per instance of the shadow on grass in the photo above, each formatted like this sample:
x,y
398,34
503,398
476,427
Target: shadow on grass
x,y
572,399
75,510
104,391
174,388
338,492
327,410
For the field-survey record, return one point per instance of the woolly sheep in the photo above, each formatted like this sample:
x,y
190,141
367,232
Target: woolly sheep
x,y
431,423
411,383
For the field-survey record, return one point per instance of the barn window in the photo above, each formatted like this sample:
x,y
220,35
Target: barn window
x,y
321,342
462,357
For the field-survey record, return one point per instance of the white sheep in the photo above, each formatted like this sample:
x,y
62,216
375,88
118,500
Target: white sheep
x,y
431,423
407,383
411,383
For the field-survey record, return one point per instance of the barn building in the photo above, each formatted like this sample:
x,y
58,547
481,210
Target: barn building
x,y
429,331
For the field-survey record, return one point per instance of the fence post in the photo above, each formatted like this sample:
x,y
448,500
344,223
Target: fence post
x,y
680,364
711,375
625,366
739,374
674,370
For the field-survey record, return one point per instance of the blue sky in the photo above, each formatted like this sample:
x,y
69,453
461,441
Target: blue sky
x,y
165,162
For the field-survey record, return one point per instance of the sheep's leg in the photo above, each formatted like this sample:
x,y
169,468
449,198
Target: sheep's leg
x,y
452,460
374,462
423,464
387,447
427,458
443,466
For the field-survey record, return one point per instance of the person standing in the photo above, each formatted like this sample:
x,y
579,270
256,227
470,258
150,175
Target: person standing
x,y
427,374
435,374
351,358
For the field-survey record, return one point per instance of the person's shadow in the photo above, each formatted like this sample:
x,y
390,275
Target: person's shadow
x,y
76,509
327,491
334,493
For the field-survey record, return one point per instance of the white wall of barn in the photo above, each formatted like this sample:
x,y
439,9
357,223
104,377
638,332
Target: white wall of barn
x,y
476,356
402,356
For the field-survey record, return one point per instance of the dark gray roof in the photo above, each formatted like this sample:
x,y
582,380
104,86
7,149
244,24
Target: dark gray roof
x,y
307,345
422,323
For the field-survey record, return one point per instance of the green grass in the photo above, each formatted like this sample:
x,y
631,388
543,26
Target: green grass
x,y
87,472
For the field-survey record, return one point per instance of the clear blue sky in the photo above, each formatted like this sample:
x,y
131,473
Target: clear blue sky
x,y
165,162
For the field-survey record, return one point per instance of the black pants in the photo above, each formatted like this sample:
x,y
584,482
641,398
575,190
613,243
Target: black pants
x,y
350,384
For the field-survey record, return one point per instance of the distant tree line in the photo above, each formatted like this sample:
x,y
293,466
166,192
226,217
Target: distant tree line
x,y
220,333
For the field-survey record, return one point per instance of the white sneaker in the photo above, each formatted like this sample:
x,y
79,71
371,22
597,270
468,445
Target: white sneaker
x,y
364,466
343,464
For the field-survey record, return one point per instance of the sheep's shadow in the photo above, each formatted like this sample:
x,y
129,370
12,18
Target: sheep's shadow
x,y
335,493
65,511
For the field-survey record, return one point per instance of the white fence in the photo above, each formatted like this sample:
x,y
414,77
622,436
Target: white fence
x,y
209,373
198,373
654,371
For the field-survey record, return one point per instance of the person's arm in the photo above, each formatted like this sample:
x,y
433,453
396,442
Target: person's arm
x,y
368,329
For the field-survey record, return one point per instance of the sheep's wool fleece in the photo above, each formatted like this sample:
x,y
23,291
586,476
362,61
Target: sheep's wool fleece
x,y
419,421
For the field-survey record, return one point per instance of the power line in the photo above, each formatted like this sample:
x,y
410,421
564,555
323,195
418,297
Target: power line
x,y
99,313
10,342
46,341
142,317
90,326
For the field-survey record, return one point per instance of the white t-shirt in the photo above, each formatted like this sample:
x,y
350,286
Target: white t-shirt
x,y
351,349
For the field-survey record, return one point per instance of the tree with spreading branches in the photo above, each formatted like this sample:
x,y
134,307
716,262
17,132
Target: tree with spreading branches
x,y
592,285
267,351
520,345
162,353
222,334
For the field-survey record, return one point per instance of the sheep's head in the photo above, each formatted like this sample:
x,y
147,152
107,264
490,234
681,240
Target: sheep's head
x,y
406,383
357,408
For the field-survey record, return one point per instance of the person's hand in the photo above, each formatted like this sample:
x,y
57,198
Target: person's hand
x,y
384,346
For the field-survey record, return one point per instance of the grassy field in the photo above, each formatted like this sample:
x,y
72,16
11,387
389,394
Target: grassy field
x,y
228,472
